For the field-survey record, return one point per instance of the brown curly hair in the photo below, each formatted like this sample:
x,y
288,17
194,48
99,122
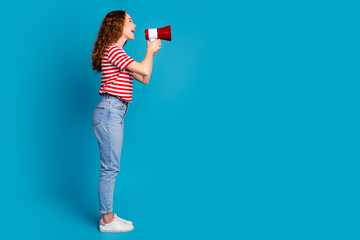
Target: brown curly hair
x,y
110,32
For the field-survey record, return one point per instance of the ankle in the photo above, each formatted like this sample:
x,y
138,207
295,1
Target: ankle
x,y
107,218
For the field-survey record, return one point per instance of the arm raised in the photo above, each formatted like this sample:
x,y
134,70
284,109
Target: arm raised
x,y
141,78
142,71
143,68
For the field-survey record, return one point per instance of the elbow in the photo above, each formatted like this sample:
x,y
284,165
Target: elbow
x,y
146,80
147,72
144,71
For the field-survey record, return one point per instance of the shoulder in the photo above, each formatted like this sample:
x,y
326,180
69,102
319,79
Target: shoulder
x,y
115,47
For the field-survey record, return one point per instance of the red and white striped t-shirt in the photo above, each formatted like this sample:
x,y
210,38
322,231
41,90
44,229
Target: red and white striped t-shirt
x,y
115,78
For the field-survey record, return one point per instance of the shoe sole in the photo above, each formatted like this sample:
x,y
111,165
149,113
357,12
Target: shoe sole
x,y
115,231
119,231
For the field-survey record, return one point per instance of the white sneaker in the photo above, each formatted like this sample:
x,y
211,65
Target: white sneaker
x,y
126,221
115,226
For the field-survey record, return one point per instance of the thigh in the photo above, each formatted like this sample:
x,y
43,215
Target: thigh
x,y
108,129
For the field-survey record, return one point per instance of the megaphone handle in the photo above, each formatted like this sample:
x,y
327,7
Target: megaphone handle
x,y
151,39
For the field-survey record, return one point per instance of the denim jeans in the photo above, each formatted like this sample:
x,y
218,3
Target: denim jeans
x,y
108,124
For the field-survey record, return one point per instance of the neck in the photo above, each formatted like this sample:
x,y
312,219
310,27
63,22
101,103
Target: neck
x,y
121,41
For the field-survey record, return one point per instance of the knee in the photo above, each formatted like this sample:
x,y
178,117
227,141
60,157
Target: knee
x,y
109,172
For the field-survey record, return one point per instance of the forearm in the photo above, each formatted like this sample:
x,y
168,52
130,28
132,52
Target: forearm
x,y
146,79
148,62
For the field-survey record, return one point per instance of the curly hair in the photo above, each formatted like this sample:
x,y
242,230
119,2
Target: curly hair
x,y
110,31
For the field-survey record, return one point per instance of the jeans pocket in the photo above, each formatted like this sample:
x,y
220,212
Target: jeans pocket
x,y
98,113
118,108
119,105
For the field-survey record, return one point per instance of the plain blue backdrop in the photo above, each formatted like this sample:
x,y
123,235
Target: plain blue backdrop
x,y
249,128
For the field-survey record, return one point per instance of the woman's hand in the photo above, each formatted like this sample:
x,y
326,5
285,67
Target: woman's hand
x,y
154,46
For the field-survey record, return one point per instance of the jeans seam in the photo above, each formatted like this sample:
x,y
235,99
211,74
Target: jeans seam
x,y
126,109
108,206
109,157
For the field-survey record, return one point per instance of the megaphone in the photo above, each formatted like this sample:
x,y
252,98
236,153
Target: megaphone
x,y
158,33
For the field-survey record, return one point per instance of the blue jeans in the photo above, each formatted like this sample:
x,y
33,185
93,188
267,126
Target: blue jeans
x,y
108,124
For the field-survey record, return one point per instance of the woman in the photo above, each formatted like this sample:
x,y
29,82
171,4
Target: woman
x,y
117,73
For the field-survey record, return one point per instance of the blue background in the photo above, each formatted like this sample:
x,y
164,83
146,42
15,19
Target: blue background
x,y
249,128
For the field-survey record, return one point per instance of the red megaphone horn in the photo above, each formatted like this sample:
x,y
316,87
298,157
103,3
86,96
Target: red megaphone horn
x,y
158,33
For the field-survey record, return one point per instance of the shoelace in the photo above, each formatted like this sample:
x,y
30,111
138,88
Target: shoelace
x,y
119,218
114,219
121,222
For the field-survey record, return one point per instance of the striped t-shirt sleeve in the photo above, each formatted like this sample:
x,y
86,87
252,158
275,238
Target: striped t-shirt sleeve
x,y
119,58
